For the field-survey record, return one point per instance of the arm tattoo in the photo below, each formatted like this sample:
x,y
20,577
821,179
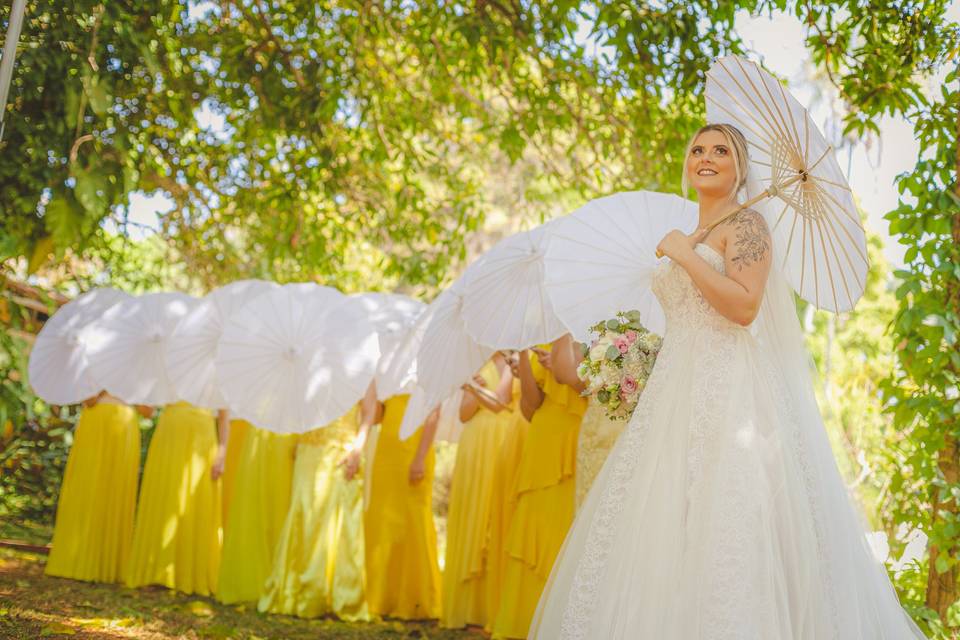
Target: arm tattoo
x,y
752,238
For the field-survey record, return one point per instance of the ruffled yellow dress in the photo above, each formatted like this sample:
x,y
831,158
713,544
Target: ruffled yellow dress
x,y
178,533
261,500
598,434
545,502
469,517
318,567
238,436
403,575
98,497
503,498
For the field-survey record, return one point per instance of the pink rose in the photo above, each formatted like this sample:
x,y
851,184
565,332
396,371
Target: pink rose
x,y
631,336
629,385
622,344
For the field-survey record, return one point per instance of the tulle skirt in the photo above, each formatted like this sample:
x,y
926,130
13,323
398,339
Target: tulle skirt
x,y
98,498
705,524
177,538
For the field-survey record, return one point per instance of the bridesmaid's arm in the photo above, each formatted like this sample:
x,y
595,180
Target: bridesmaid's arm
x,y
565,360
531,397
505,388
371,412
223,433
418,466
470,403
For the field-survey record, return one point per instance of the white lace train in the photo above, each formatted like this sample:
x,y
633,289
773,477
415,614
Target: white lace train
x,y
707,520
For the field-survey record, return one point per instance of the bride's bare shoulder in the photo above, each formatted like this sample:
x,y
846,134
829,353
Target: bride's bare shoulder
x,y
747,239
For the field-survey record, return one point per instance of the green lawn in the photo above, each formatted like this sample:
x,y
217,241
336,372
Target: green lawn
x,y
35,606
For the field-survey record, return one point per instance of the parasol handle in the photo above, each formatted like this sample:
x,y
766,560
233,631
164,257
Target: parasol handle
x,y
770,192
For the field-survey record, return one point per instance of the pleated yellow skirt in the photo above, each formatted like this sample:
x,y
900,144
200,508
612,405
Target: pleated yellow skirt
x,y
98,497
318,568
504,501
403,574
469,522
177,537
545,500
261,499
238,436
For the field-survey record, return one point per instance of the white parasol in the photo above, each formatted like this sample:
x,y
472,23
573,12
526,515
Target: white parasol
x,y
59,368
296,358
600,259
796,183
127,345
192,349
505,303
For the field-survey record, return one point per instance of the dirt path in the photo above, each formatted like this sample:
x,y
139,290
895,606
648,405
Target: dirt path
x,y
35,606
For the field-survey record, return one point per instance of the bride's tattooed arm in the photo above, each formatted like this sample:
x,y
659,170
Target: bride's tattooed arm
x,y
751,239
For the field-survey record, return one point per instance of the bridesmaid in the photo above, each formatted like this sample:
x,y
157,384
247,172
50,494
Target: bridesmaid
x,y
598,433
178,532
545,487
238,436
318,567
98,497
469,532
258,508
513,426
403,575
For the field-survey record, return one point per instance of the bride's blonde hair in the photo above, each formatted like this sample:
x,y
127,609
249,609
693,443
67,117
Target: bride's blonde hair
x,y
738,144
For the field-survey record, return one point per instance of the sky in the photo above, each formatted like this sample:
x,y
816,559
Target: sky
x,y
872,165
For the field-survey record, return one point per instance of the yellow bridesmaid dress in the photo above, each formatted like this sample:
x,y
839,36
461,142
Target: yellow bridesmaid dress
x,y
178,533
98,497
469,516
403,576
238,436
261,500
503,498
598,434
318,567
545,502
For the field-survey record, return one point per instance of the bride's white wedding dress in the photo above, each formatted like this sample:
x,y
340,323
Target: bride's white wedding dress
x,y
720,513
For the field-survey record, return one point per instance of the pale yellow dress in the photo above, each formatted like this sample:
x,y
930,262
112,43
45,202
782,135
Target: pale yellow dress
x,y
545,502
259,507
598,434
403,574
318,567
98,497
469,532
178,533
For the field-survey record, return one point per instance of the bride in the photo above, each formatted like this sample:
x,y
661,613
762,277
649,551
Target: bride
x,y
720,513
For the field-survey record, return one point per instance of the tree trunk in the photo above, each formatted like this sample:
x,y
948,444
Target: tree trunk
x,y
942,588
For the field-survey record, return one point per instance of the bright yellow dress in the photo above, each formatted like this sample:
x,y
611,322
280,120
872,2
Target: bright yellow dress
x,y
469,516
318,567
261,500
403,576
598,434
503,498
545,502
238,436
98,497
178,533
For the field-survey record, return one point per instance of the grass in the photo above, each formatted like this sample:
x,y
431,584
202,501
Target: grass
x,y
33,605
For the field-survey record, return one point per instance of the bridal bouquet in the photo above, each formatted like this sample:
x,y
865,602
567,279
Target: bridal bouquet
x,y
618,362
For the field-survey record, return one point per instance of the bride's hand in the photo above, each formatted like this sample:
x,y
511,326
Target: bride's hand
x,y
677,245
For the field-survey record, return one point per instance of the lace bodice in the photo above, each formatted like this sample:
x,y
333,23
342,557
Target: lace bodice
x,y
684,306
